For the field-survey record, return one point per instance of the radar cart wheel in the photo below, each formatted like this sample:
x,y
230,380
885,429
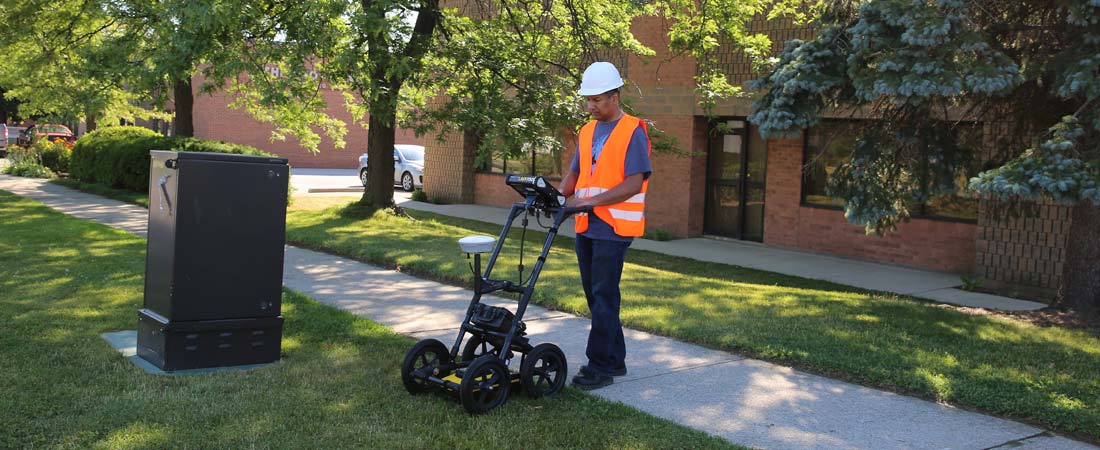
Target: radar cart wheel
x,y
477,346
543,371
421,361
484,385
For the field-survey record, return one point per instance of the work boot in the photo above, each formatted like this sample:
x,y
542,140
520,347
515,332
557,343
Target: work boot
x,y
587,379
621,371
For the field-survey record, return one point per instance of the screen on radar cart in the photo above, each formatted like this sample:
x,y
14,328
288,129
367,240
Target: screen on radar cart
x,y
544,192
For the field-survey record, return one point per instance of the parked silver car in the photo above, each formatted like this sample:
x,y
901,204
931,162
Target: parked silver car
x,y
408,166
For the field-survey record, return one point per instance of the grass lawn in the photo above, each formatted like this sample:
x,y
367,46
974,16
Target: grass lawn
x,y
1043,375
64,281
1047,376
136,198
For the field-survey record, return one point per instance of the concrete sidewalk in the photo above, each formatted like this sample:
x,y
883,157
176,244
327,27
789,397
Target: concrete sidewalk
x,y
745,401
934,286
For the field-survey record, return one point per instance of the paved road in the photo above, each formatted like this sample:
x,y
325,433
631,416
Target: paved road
x,y
333,182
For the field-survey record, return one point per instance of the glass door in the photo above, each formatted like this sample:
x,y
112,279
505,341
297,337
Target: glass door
x,y
736,168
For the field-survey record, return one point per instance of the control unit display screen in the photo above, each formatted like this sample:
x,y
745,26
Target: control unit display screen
x,y
530,185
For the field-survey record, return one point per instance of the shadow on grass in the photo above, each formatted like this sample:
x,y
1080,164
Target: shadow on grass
x,y
338,385
1042,375
1045,375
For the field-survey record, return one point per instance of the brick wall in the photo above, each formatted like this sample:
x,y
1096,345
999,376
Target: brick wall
x,y
491,190
448,173
665,97
214,119
662,91
676,179
676,189
1026,249
1022,249
922,243
697,188
738,66
782,192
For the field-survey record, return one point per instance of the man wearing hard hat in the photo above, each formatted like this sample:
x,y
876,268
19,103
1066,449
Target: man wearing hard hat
x,y
610,173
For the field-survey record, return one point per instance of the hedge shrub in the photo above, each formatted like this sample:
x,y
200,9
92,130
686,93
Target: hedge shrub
x,y
95,157
119,156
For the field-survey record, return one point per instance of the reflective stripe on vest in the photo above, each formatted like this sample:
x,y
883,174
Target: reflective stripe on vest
x,y
627,218
593,191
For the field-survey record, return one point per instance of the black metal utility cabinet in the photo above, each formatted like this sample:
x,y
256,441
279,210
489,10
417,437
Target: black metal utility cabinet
x,y
214,261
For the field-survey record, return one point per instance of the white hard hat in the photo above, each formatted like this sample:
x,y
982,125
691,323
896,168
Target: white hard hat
x,y
600,77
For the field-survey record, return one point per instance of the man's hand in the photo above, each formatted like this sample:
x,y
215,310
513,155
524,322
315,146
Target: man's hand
x,y
580,202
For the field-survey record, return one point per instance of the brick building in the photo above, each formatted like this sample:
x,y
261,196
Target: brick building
x,y
741,186
215,119
735,185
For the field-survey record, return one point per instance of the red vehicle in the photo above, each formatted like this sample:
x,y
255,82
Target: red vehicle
x,y
49,131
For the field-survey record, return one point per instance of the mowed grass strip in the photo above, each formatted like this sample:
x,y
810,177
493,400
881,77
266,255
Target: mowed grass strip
x,y
1045,375
122,195
64,281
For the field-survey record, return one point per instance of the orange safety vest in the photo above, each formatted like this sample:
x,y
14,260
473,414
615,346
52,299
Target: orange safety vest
x,y
626,217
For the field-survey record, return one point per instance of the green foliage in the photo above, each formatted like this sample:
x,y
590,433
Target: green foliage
x,y
504,73
96,154
419,196
510,69
923,68
971,283
29,170
708,30
25,162
54,155
20,154
118,157
67,60
659,234
507,69
797,89
1045,171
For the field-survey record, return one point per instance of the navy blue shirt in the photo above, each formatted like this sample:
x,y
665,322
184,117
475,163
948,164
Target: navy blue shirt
x,y
637,161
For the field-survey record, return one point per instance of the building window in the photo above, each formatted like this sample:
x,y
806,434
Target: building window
x,y
960,205
548,162
491,165
522,165
545,162
830,144
827,147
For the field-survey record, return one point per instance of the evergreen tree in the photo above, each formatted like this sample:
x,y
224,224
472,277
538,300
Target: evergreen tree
x,y
924,68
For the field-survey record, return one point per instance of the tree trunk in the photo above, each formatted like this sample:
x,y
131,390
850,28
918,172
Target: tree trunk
x,y
90,122
1080,289
383,95
471,142
184,100
380,140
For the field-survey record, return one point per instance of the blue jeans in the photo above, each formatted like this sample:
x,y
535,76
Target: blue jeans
x,y
601,266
